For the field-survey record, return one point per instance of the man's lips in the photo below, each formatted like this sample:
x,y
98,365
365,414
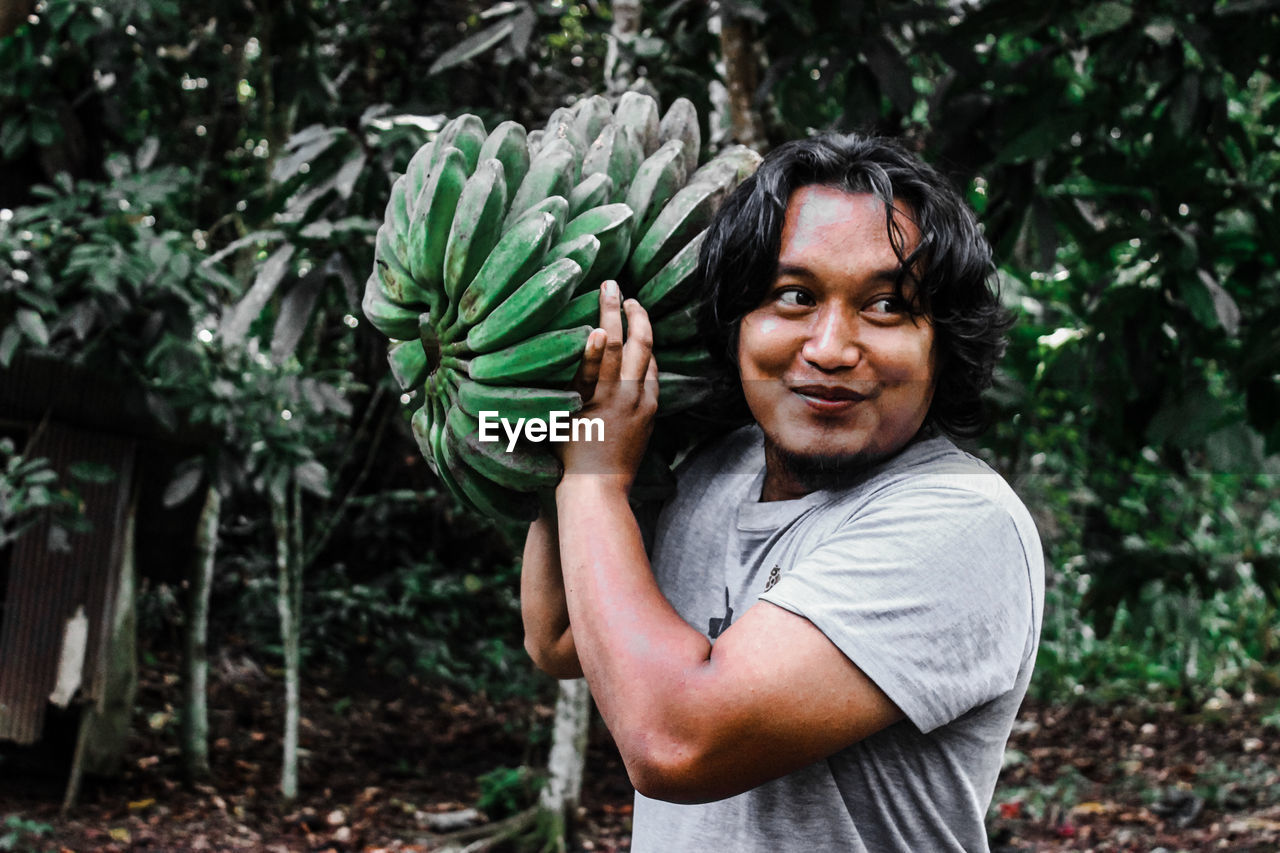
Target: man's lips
x,y
831,394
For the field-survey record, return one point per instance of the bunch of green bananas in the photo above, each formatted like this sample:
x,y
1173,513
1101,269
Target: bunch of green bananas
x,y
488,264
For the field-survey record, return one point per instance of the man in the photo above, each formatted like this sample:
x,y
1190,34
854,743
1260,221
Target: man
x,y
843,609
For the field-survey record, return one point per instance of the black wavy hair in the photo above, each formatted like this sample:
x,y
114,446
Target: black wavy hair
x,y
951,265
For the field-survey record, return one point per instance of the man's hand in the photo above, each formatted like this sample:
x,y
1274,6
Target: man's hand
x,y
619,381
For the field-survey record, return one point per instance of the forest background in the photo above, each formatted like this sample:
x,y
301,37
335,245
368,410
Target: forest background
x,y
188,197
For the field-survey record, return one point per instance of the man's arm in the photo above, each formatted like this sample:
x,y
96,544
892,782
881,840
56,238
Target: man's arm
x,y
547,636
692,722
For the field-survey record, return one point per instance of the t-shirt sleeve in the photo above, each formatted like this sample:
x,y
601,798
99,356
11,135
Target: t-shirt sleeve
x,y
926,590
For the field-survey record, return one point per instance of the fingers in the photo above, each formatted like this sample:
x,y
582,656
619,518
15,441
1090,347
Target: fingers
x,y
637,355
589,371
611,322
651,383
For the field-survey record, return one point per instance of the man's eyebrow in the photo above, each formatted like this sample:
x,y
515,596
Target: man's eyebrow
x,y
888,274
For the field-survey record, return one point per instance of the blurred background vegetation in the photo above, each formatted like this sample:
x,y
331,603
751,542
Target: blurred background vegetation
x,y
160,161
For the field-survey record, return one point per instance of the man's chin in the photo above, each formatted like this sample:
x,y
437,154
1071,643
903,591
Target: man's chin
x,y
816,471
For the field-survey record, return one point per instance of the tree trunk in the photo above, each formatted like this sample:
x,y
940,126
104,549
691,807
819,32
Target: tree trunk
x,y
742,79
286,514
195,710
619,59
559,800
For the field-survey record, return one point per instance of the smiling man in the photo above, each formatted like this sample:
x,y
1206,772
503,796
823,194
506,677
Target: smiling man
x,y
828,641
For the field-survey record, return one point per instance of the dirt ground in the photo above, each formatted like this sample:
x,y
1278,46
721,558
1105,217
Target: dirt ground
x,y
381,761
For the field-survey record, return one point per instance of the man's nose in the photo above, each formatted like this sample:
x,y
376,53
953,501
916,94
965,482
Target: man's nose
x,y
833,340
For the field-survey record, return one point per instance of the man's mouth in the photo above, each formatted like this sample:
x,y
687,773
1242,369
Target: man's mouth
x,y
829,394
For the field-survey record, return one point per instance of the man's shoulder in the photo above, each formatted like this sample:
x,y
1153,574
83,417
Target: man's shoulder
x,y
937,463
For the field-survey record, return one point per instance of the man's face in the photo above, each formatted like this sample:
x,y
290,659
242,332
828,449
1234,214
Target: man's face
x,y
834,367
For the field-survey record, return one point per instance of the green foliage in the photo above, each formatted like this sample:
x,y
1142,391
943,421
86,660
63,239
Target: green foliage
x,y
449,615
22,834
230,171
86,275
30,492
504,791
1170,644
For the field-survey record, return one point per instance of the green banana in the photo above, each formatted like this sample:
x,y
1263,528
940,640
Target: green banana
x,y
421,425
583,308
675,283
611,225
728,168
518,255
509,145
397,283
522,468
692,360
397,215
556,205
408,362
628,153
583,249
688,212
433,215
528,309
655,182
677,392
514,402
535,141
477,225
553,172
438,441
679,327
487,268
417,173
590,115
481,493
394,321
681,122
466,133
617,153
561,125
640,113
592,191
550,357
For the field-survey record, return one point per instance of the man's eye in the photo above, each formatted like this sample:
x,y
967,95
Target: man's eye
x,y
887,305
794,298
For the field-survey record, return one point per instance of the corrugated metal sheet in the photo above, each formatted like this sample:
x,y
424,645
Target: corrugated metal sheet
x,y
45,588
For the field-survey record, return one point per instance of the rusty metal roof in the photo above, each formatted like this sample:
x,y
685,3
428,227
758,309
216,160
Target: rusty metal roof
x,y
46,588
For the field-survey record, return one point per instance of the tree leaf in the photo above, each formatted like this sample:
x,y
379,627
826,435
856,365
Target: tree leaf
x,y
32,325
270,274
9,345
312,476
296,309
345,181
147,153
304,146
1104,18
522,31
1224,306
472,46
185,482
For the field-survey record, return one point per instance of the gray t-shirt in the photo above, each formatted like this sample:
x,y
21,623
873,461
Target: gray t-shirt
x,y
928,574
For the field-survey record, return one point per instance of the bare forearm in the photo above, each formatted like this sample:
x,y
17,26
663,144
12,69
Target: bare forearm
x,y
548,638
638,654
